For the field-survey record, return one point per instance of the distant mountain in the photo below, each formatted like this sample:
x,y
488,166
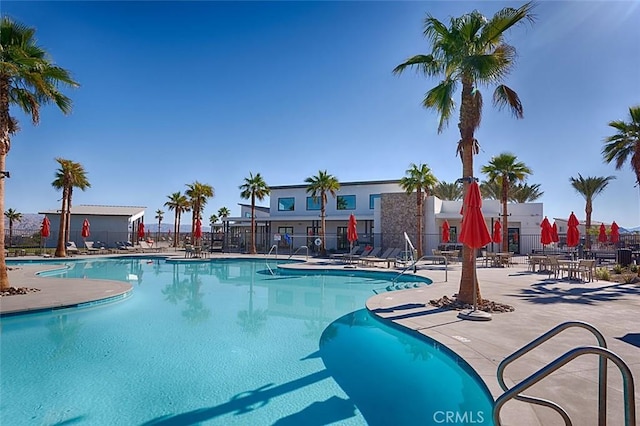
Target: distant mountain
x,y
630,230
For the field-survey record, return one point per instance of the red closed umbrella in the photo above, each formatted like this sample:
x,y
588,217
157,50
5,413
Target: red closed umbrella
x,y
352,230
85,229
140,230
573,234
554,233
445,232
602,234
474,234
45,231
546,232
197,233
497,233
615,233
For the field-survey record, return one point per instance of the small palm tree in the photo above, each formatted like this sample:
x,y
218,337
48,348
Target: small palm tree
x,y
12,216
212,221
223,213
28,80
447,191
159,216
70,175
179,203
589,188
505,169
625,143
317,187
525,193
198,194
420,179
254,187
471,52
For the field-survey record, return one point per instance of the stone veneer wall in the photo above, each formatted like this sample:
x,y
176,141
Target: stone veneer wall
x,y
397,215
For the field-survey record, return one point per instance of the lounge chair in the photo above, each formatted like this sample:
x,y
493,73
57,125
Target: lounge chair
x,y
354,251
388,256
72,248
90,246
146,247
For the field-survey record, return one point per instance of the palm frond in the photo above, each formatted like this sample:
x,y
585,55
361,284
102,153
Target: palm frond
x,y
504,96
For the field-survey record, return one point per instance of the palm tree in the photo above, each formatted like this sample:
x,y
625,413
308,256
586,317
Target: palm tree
x,y
212,221
13,216
70,175
254,187
624,143
159,216
223,212
472,53
28,80
447,191
420,179
491,190
179,203
198,194
525,193
506,170
317,187
589,188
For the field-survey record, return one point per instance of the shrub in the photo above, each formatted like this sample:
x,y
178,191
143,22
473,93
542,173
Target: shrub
x,y
633,268
629,278
603,274
617,269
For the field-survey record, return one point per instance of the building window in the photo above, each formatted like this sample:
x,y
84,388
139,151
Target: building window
x,y
247,214
372,199
286,236
346,202
313,204
286,204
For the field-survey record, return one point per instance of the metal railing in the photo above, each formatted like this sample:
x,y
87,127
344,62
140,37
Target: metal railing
x,y
430,257
298,249
603,353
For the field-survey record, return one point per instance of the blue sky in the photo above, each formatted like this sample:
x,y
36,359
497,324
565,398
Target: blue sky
x,y
174,92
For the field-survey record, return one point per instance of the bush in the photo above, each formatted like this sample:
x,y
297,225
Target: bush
x,y
603,274
617,269
633,268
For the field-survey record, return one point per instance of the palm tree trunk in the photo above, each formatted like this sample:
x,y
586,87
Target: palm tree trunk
x,y
61,249
588,210
323,234
68,216
419,227
10,233
178,230
505,215
253,223
5,145
468,117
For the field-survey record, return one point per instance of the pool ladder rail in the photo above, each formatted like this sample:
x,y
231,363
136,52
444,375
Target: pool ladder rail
x,y
603,353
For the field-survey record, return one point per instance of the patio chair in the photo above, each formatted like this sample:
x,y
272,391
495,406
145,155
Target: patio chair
x,y
90,246
354,251
72,248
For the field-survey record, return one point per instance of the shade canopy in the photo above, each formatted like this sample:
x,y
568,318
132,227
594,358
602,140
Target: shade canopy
x,y
197,233
85,229
474,232
497,232
573,234
546,232
45,231
446,229
352,230
602,234
615,232
554,233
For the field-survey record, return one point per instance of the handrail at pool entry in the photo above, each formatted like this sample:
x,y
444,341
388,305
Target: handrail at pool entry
x,y
534,378
298,249
446,268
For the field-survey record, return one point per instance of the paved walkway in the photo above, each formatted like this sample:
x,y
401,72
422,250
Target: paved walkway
x,y
540,304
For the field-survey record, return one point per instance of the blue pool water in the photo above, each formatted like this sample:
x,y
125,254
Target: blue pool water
x,y
227,343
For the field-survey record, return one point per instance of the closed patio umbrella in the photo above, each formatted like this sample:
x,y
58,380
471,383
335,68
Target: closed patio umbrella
x,y
140,231
602,234
197,232
474,234
45,231
554,233
497,233
445,232
546,232
573,234
352,231
85,229
615,233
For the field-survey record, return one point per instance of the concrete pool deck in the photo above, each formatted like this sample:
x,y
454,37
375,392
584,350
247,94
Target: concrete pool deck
x,y
540,305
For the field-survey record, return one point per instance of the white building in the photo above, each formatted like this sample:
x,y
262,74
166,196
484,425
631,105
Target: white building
x,y
383,212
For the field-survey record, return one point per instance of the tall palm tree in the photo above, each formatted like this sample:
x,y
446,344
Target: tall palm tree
x,y
420,179
70,175
471,52
179,203
589,188
12,216
198,194
525,193
447,191
254,187
212,221
626,142
28,80
159,216
506,170
317,187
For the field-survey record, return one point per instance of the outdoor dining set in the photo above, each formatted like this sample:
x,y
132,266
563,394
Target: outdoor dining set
x,y
562,268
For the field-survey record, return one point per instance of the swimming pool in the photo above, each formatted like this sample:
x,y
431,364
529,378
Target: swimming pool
x,y
226,342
